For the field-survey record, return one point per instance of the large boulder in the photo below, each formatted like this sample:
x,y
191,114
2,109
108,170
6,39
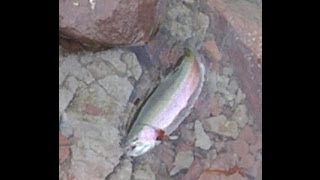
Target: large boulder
x,y
109,22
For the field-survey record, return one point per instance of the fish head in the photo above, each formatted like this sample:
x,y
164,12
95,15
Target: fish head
x,y
142,142
139,147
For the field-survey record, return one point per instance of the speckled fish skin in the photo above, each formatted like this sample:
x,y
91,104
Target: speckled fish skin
x,y
170,103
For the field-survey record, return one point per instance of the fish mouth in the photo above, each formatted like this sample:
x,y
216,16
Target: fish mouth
x,y
139,147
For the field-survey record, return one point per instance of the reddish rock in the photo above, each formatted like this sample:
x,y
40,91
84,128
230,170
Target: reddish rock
x,y
227,111
161,177
211,47
259,173
64,173
109,22
247,135
184,146
92,110
248,25
247,161
224,161
63,140
206,176
194,171
169,57
213,176
187,135
70,46
64,150
256,170
210,62
240,147
238,37
205,106
166,155
63,153
257,146
215,108
162,51
232,173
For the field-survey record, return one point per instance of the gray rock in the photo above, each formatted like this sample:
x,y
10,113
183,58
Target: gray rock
x,y
143,172
65,127
222,101
87,58
180,13
133,66
65,96
189,125
202,139
183,161
228,96
123,172
120,88
72,84
99,69
233,87
222,83
239,97
92,120
220,146
72,66
226,87
62,76
184,24
113,57
189,1
212,154
203,23
187,134
97,96
212,81
154,161
95,148
221,126
227,71
231,103
240,116
62,174
180,31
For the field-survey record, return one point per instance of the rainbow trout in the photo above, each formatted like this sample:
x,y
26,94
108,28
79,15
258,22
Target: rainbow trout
x,y
167,107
